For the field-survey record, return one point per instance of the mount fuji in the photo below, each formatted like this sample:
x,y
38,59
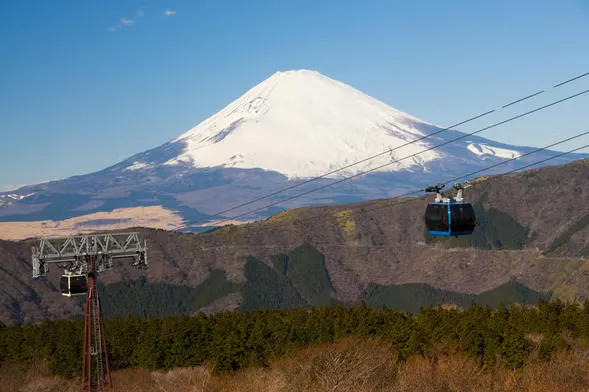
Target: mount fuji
x,y
292,126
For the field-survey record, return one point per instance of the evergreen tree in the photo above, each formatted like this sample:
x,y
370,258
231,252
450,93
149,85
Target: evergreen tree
x,y
550,344
514,349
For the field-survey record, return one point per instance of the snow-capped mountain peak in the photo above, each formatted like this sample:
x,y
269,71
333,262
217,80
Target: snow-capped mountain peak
x,y
302,124
295,124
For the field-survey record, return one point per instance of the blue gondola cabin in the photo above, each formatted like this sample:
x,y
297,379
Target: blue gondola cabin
x,y
449,217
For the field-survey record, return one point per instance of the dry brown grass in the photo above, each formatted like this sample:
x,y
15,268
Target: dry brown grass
x,y
156,217
350,365
565,372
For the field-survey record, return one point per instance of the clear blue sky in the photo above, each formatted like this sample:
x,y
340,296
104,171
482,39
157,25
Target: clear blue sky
x,y
76,97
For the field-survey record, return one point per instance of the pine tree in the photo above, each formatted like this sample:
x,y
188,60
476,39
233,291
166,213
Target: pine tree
x,y
514,349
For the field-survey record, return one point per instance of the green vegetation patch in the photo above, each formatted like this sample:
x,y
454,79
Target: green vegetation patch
x,y
145,299
266,288
568,233
412,297
511,292
233,341
307,272
280,262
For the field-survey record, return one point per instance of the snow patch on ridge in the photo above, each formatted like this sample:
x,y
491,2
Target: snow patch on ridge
x,y
137,166
483,149
14,196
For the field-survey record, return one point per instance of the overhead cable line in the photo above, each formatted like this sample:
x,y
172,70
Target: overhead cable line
x,y
408,200
420,191
495,176
408,156
282,190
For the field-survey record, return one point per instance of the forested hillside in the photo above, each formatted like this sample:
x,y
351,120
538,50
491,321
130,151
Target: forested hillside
x,y
340,254
293,285
239,340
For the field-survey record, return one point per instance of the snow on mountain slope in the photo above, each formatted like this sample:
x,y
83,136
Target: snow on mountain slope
x,y
137,166
14,196
303,124
295,124
481,150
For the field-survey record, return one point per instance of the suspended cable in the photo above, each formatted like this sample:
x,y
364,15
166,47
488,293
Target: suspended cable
x,y
420,191
407,157
282,190
495,176
476,183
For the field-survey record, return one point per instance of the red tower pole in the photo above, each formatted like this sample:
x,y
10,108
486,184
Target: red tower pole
x,y
89,254
87,359
107,379
94,331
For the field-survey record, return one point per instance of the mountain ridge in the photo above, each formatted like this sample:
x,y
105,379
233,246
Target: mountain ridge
x,y
524,236
293,125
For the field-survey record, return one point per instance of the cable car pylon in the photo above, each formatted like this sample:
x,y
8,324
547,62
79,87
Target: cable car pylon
x,y
83,258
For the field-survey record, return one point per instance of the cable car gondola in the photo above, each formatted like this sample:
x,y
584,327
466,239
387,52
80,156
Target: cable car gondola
x,y
73,284
448,217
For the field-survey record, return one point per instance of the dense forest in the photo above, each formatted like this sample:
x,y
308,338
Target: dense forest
x,y
251,339
298,279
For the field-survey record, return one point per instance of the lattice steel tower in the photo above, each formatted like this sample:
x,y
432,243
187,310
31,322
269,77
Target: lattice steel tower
x,y
83,258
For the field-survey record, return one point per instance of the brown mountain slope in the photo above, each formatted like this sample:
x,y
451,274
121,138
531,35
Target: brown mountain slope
x,y
375,242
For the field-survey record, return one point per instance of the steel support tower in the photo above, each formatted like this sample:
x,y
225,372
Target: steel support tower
x,y
90,255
